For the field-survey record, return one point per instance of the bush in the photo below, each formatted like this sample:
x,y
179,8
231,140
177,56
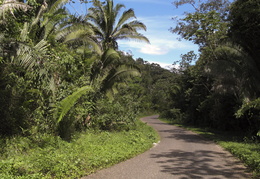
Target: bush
x,y
115,115
173,114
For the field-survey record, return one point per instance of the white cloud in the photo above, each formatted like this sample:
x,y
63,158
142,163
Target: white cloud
x,y
154,50
159,45
162,41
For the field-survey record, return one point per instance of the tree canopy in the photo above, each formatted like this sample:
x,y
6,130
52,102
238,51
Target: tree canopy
x,y
110,27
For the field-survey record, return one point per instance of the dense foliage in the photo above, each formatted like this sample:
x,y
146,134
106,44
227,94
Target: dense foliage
x,y
65,89
221,90
58,68
61,74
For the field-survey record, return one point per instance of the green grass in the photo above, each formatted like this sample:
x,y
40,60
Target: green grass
x,y
51,157
246,150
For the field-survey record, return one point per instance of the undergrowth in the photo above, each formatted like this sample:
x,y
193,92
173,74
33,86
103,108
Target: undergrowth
x,y
245,149
52,157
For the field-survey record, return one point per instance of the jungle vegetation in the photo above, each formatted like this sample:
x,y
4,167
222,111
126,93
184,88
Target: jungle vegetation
x,y
63,74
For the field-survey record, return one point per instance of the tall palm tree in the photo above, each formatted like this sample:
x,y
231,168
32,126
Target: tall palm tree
x,y
110,27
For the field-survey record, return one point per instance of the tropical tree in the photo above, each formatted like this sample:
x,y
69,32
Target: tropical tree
x,y
244,30
227,70
207,25
109,70
109,27
33,64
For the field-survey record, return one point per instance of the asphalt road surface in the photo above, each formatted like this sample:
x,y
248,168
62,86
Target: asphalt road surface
x,y
181,154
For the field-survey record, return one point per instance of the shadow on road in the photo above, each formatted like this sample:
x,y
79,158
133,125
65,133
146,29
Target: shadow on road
x,y
184,135
196,165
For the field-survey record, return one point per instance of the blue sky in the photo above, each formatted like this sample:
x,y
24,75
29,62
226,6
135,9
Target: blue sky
x,y
164,48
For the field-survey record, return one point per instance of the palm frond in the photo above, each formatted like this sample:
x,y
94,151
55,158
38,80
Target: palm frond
x,y
24,32
56,6
70,28
79,34
109,27
138,37
54,23
118,75
234,70
97,16
11,6
107,60
117,9
125,17
110,57
137,25
123,72
29,56
67,103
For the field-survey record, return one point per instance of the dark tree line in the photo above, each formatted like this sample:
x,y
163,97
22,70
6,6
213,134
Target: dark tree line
x,y
222,89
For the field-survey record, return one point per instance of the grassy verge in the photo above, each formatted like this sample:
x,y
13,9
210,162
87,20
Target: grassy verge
x,y
51,157
245,150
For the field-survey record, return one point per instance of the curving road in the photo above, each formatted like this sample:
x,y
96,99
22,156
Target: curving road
x,y
181,154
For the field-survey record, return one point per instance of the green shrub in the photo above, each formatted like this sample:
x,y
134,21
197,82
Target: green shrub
x,y
115,115
47,156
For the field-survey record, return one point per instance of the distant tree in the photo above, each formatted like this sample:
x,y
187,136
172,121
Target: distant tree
x,y
185,62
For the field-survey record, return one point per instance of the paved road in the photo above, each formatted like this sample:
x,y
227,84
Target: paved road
x,y
181,154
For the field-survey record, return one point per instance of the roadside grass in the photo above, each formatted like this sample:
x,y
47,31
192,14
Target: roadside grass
x,y
51,157
243,148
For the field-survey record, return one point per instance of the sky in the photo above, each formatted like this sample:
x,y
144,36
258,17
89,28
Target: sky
x,y
164,48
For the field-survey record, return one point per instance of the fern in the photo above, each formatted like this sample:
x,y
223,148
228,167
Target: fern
x,y
67,103
28,53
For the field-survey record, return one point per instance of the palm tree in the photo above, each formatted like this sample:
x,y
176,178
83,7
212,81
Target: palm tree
x,y
8,7
78,35
108,73
235,71
109,27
